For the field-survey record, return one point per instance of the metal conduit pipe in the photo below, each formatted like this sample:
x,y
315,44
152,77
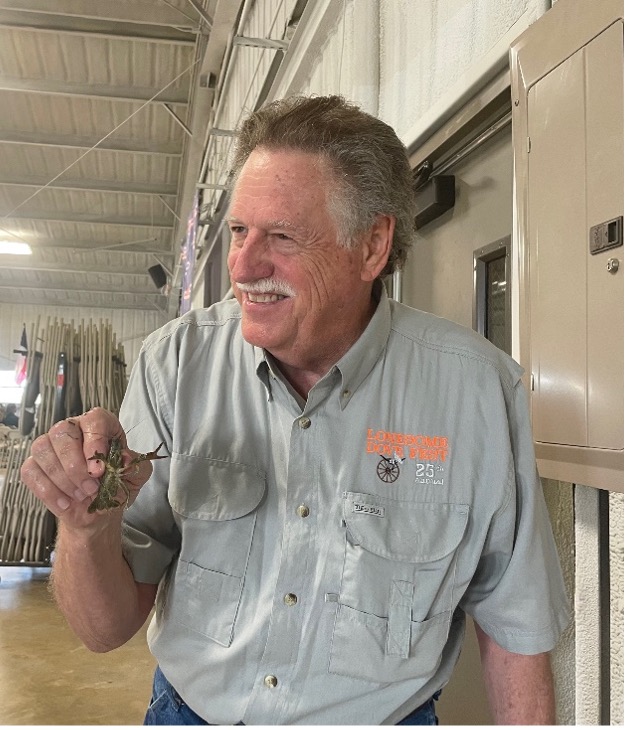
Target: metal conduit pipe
x,y
221,86
473,145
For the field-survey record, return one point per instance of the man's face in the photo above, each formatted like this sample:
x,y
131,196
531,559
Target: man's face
x,y
303,297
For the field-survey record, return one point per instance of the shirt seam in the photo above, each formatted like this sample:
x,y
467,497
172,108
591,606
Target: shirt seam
x,y
543,631
460,351
168,415
511,486
161,336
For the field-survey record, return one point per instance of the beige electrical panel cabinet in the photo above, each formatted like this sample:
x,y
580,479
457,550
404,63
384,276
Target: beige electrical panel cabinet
x,y
567,90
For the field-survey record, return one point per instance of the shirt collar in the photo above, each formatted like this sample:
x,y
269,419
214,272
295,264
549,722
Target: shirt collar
x,y
357,362
362,356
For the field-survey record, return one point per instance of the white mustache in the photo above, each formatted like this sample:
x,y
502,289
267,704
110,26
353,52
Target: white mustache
x,y
268,286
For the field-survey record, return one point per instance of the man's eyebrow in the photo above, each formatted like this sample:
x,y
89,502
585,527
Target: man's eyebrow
x,y
282,224
268,224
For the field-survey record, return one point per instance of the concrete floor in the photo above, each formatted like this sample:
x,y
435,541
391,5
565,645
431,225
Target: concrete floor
x,y
47,677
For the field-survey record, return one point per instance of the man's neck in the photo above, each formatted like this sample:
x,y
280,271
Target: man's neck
x,y
304,377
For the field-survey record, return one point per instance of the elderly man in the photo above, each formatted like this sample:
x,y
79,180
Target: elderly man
x,y
347,478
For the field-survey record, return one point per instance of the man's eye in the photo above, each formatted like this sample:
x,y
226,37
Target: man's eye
x,y
282,236
236,230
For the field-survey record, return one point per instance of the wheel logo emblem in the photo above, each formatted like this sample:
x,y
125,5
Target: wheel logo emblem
x,y
388,470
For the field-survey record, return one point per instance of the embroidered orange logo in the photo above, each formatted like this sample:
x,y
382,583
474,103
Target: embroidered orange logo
x,y
418,447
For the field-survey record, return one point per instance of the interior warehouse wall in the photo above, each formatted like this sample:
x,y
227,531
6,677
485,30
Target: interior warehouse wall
x,y
130,326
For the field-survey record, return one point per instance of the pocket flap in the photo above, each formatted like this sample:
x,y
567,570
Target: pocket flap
x,y
209,489
414,532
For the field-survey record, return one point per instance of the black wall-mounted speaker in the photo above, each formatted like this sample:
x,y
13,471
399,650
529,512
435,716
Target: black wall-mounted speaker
x,y
434,198
158,275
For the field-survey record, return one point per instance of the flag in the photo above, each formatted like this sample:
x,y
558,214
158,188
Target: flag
x,y
20,364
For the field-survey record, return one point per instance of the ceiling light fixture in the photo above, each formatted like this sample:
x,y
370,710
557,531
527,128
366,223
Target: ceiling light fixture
x,y
15,247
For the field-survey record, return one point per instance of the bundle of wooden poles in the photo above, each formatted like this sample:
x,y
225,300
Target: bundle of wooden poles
x,y
69,370
73,368
26,527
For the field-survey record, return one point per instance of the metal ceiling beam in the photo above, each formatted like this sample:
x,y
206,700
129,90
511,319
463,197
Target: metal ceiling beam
x,y
89,247
86,218
113,33
93,91
225,19
144,12
65,268
141,303
183,126
144,147
269,43
202,14
96,186
81,289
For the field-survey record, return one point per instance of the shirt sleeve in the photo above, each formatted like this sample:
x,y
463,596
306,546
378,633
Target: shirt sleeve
x,y
517,595
150,535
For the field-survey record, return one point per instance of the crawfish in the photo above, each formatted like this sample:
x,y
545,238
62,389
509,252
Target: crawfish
x,y
113,479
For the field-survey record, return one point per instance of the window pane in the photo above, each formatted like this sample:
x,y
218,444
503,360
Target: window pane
x,y
496,303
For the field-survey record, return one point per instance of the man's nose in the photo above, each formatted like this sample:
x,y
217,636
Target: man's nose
x,y
251,260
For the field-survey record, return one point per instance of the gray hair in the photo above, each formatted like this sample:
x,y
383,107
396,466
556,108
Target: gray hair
x,y
371,173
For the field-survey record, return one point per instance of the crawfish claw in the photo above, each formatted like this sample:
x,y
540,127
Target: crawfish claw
x,y
152,455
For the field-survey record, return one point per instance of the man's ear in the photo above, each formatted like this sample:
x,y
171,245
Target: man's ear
x,y
377,246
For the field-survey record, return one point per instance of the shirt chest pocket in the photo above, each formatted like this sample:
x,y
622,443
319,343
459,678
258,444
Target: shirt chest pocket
x,y
216,504
396,599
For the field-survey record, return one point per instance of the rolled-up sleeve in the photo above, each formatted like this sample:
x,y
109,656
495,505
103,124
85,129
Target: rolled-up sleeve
x,y
517,595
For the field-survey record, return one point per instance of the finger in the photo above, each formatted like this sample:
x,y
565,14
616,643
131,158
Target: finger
x,y
57,497
98,428
60,453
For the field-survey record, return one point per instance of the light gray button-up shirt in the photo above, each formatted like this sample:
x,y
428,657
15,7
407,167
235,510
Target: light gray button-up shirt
x,y
315,559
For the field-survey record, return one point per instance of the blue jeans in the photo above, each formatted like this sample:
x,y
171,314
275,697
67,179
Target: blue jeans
x,y
167,708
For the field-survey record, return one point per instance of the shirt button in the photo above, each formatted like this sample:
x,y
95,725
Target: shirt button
x,y
270,680
290,599
304,422
302,510
347,393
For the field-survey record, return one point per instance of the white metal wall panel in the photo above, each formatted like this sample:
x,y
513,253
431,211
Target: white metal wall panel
x,y
434,52
348,62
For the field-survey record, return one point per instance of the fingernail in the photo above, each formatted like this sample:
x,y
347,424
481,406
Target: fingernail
x,y
89,487
79,495
63,503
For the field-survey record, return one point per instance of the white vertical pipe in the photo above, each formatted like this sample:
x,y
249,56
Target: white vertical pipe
x,y
587,618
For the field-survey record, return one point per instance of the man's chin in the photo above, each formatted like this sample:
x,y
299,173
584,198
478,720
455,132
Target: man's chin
x,y
254,336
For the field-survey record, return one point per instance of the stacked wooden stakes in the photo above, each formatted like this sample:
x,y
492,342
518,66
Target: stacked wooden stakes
x,y
91,372
26,526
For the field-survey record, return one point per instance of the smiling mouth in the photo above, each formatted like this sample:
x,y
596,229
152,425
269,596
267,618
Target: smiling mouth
x,y
264,298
